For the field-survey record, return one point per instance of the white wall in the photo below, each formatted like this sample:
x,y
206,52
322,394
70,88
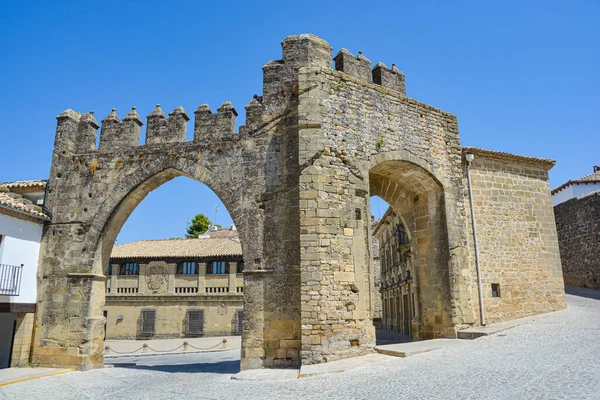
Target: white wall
x,y
580,189
21,245
562,196
574,190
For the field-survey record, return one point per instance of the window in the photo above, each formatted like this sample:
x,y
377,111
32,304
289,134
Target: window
x,y
240,267
401,234
108,271
147,321
187,268
239,322
194,322
495,290
129,269
10,279
218,267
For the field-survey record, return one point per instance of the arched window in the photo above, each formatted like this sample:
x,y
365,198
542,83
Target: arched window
x,y
129,269
187,268
218,267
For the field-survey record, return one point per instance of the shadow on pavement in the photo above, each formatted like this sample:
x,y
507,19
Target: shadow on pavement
x,y
581,292
223,367
386,337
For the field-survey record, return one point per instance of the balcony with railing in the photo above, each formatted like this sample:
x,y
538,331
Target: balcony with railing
x,y
10,279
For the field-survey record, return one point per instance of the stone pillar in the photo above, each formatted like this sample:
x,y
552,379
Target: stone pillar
x,y
171,269
22,340
142,288
202,278
114,277
232,276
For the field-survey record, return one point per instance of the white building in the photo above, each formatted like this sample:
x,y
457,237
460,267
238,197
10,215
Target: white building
x,y
577,187
21,221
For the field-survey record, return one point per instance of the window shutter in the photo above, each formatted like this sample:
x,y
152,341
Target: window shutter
x,y
239,322
195,322
147,321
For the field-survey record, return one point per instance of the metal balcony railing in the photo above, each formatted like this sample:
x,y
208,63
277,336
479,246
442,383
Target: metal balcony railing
x,y
10,279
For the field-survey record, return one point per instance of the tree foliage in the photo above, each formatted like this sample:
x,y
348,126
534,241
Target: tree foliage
x,y
198,226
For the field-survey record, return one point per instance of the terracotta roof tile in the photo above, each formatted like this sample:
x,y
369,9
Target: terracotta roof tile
x,y
15,203
40,184
547,163
178,248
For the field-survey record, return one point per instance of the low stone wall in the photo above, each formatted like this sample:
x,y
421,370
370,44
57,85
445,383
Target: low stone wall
x,y
578,226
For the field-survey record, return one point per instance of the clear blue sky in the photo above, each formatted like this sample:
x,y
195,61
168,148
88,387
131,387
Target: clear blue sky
x,y
522,76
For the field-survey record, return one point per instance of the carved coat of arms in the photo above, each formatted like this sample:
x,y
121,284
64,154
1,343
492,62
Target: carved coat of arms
x,y
156,278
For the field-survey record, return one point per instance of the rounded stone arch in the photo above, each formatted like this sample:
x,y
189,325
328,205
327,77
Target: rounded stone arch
x,y
405,156
125,198
416,193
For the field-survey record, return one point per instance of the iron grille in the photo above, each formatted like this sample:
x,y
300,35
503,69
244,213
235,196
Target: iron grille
x,y
194,322
10,279
239,321
147,321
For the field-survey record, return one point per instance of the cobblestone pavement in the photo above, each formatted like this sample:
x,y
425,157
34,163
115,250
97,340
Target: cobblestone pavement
x,y
552,358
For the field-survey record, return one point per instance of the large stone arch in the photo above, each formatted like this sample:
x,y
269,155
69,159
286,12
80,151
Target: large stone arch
x,y
111,216
417,197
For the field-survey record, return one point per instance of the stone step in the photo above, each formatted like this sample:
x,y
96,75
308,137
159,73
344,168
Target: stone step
x,y
414,348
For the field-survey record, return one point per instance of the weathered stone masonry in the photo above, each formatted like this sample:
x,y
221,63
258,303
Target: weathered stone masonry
x,y
297,181
578,225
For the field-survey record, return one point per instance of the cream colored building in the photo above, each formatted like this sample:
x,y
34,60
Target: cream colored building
x,y
175,288
397,286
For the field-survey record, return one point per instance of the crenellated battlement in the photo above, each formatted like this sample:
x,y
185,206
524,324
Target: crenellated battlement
x,y
166,130
215,127
360,67
77,133
307,50
392,78
280,76
115,134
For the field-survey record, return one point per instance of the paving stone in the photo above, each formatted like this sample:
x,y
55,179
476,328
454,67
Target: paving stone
x,y
551,358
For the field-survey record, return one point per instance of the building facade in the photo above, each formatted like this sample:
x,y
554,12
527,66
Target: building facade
x,y
577,213
175,288
397,288
21,222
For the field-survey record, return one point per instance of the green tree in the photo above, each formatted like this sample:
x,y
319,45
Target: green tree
x,y
198,226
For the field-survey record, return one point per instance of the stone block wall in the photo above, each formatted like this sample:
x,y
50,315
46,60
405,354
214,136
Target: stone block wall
x,y
517,237
23,338
578,226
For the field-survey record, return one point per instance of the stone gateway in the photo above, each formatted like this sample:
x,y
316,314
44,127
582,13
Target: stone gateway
x,y
297,181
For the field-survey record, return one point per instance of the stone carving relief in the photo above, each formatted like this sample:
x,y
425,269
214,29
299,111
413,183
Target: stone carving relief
x,y
156,278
